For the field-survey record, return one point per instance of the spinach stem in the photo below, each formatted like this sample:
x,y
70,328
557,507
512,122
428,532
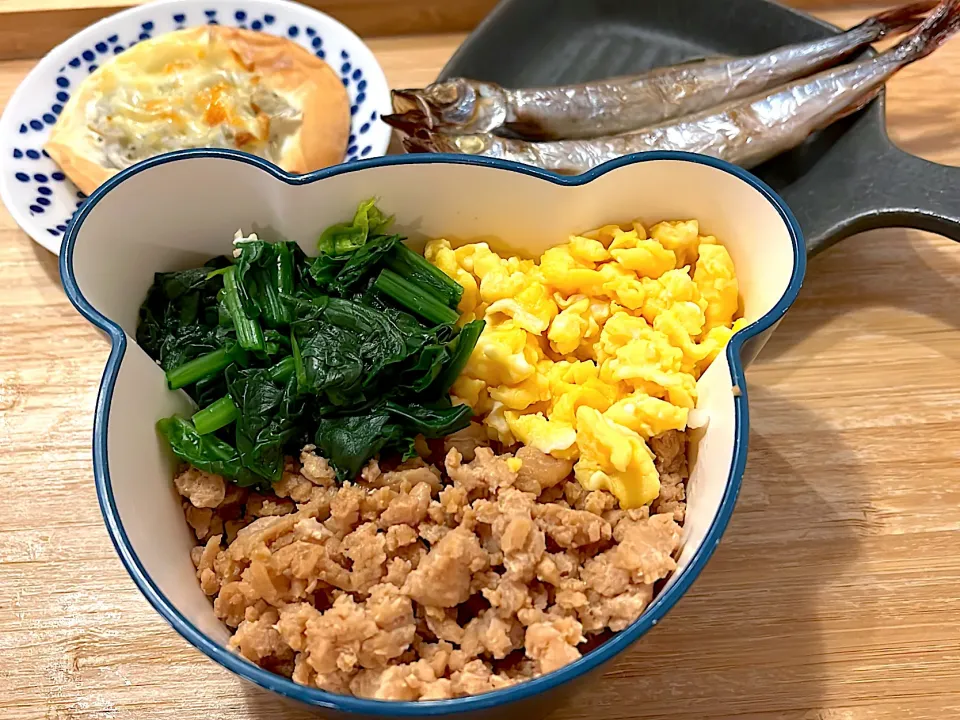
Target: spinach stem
x,y
415,268
224,411
461,348
274,311
249,333
416,299
284,269
279,282
297,358
283,370
199,368
215,416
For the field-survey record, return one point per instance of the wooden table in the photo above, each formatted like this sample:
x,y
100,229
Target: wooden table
x,y
835,594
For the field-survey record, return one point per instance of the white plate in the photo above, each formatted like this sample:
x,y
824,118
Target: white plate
x,y
36,192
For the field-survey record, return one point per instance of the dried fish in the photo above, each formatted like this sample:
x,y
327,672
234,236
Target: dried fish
x,y
745,132
608,107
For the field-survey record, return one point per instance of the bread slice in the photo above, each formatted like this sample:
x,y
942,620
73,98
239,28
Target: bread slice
x,y
207,86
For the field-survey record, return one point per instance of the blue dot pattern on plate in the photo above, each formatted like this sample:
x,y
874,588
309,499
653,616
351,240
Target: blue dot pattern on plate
x,y
52,196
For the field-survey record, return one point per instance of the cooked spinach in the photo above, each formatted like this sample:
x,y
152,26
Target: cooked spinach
x,y
414,298
354,350
264,275
206,452
349,441
359,242
345,238
178,319
362,262
268,412
431,422
329,362
459,349
414,267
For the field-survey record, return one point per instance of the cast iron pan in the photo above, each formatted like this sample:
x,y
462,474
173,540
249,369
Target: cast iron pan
x,y
847,179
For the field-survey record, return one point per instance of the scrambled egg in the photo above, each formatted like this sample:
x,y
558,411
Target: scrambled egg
x,y
597,348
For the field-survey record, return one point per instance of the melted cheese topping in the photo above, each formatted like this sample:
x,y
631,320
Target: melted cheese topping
x,y
176,95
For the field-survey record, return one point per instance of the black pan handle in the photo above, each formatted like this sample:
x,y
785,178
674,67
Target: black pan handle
x,y
890,189
852,178
919,194
897,190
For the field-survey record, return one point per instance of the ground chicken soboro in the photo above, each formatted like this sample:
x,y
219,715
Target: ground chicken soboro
x,y
429,581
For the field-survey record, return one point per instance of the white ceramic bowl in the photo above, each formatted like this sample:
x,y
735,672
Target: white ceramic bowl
x,y
186,207
38,195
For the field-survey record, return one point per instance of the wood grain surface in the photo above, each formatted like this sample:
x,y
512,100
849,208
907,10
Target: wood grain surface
x,y
29,28
835,594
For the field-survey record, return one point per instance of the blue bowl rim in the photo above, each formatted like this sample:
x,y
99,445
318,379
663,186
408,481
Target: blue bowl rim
x,y
522,691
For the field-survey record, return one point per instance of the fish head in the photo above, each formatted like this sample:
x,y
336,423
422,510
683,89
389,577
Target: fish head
x,y
423,140
408,122
455,106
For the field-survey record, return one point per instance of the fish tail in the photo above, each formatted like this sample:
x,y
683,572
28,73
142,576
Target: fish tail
x,y
854,107
902,17
931,34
